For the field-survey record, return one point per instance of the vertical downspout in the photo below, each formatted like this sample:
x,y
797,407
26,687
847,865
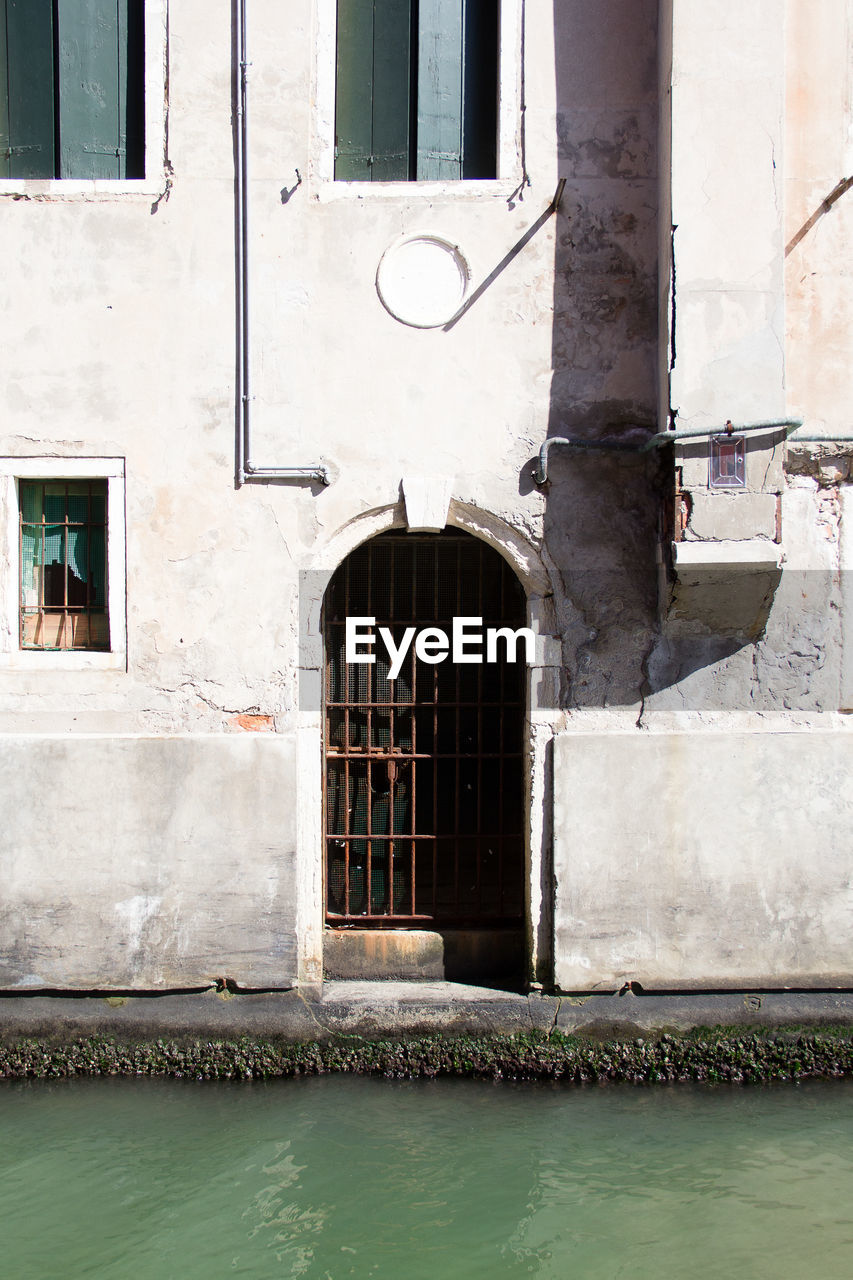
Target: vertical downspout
x,y
245,469
241,249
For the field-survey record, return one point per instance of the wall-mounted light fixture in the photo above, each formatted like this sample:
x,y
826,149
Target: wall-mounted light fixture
x,y
727,461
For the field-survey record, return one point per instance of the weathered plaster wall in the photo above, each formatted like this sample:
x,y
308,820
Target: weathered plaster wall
x,y
695,870
819,213
601,520
120,333
118,324
119,328
130,862
728,81
751,609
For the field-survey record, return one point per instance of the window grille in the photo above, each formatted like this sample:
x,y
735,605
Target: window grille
x,y
424,792
63,576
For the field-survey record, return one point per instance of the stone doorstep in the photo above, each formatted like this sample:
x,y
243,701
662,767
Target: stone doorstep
x,y
461,957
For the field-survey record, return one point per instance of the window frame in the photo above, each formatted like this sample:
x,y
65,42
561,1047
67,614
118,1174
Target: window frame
x,y
509,169
12,655
62,595
154,110
846,574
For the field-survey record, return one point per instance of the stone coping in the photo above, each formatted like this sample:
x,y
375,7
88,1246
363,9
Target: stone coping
x,y
376,1010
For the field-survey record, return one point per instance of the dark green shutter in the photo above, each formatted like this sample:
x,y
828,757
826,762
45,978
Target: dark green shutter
x,y
373,90
4,96
71,92
27,89
392,89
93,82
354,90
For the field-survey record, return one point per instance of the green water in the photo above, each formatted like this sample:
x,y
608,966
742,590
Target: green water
x,y
343,1176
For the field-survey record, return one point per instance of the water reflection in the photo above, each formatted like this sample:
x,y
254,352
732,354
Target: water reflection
x,y
340,1177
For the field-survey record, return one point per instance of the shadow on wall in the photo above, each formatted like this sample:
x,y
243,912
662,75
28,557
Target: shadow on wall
x,y
713,610
602,520
609,516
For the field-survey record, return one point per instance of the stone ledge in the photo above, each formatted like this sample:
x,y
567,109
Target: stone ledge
x,y
378,1010
749,554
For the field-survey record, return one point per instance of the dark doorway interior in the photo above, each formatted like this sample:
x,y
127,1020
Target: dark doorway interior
x,y
424,776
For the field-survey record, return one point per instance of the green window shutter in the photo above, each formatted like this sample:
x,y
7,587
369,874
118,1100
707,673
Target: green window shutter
x,y
354,90
440,81
71,90
392,90
4,96
92,132
373,90
27,89
457,89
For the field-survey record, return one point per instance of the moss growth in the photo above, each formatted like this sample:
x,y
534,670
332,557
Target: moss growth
x,y
716,1056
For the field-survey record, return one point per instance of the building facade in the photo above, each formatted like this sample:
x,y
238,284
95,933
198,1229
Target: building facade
x,y
295,296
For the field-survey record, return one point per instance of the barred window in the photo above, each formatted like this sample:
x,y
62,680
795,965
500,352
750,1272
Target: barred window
x,y
63,558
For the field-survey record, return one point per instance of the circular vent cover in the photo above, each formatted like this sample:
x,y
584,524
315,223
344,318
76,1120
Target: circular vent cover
x,y
422,280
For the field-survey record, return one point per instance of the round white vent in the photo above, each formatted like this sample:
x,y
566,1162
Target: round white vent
x,y
422,280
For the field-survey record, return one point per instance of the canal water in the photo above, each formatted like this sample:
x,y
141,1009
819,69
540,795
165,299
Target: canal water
x,y
344,1176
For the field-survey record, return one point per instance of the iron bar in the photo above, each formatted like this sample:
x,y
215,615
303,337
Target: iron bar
x,y
421,764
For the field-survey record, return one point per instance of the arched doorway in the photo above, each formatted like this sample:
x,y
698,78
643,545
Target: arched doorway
x,y
424,795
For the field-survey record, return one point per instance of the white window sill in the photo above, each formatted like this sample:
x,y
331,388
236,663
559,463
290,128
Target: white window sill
x,y
80,188
32,660
411,192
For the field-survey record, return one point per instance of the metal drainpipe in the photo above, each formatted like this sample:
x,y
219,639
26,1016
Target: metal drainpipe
x,y
663,437
820,440
246,469
540,471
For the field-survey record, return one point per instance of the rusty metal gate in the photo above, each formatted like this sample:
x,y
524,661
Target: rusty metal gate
x,y
424,792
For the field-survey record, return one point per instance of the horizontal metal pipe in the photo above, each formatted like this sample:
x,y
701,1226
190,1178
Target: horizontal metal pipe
x,y
540,471
690,433
318,473
656,441
820,439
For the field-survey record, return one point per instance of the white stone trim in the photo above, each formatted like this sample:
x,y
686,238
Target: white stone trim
x,y
156,28
427,499
750,553
845,555
509,120
542,693
13,658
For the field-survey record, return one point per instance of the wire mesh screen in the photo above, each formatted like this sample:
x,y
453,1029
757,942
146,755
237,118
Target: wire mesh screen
x,y
424,791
